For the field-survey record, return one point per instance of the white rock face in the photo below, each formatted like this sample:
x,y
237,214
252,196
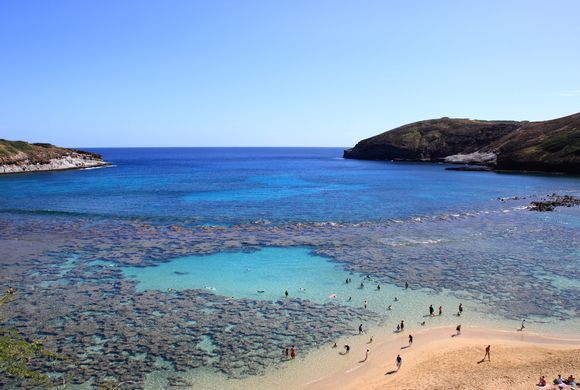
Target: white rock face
x,y
72,161
473,158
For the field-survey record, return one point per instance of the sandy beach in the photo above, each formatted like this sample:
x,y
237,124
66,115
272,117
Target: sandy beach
x,y
436,360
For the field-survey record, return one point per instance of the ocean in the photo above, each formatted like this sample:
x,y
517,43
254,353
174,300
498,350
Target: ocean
x,y
198,265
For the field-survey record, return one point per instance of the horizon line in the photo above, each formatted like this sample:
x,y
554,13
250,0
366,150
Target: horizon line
x,y
207,147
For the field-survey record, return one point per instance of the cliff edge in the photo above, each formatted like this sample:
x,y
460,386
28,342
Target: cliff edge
x,y
548,146
22,157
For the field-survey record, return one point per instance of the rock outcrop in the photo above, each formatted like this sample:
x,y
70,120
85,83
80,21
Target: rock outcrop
x,y
549,146
22,157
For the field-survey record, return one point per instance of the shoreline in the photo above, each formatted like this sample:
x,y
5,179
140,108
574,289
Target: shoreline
x,y
434,358
431,348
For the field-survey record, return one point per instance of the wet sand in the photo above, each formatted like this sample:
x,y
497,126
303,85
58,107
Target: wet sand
x,y
436,360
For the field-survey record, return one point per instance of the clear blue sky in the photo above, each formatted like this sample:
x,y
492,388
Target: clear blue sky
x,y
277,73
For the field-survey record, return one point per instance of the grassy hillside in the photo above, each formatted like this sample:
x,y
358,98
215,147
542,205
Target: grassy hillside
x,y
540,146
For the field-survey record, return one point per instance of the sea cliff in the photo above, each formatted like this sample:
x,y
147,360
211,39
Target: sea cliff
x,y
23,157
548,146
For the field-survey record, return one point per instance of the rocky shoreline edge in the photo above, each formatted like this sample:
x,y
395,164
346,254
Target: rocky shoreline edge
x,y
24,157
73,161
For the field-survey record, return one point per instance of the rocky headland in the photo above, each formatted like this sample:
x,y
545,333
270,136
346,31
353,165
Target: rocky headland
x,y
546,146
23,157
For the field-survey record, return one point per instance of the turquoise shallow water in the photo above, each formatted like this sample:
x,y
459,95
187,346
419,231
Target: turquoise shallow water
x,y
242,275
318,279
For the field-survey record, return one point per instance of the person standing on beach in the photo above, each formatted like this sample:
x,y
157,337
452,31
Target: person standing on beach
x,y
440,310
458,329
460,310
431,310
293,352
286,352
346,348
410,340
487,354
406,285
402,325
360,329
399,362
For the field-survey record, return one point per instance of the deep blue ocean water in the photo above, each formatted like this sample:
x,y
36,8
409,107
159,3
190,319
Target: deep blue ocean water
x,y
232,185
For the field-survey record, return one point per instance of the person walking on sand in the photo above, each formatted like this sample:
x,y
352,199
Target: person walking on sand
x,y
366,355
487,354
293,352
523,325
410,340
346,348
399,362
458,329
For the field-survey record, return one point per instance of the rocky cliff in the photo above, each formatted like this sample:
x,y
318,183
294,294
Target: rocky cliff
x,y
550,146
20,157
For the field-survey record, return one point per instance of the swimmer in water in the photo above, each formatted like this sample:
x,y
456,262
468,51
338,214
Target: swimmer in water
x,y
390,307
349,299
396,299
361,285
286,293
378,286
